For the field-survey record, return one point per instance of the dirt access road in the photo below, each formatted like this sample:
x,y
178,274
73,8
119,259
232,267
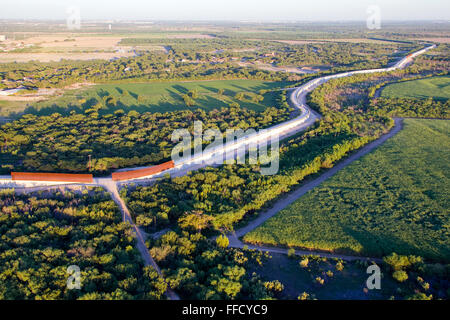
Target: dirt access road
x,y
111,187
290,198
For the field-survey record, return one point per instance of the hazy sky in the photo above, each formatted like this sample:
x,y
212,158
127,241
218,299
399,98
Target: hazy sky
x,y
254,10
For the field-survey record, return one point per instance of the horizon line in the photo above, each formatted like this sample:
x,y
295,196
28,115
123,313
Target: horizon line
x,y
221,20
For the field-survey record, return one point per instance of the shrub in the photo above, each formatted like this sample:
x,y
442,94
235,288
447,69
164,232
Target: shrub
x,y
305,296
420,296
398,262
400,275
222,241
194,93
320,281
275,286
291,253
425,286
304,263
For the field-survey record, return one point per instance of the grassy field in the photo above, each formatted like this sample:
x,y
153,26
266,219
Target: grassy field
x,y
162,97
8,107
437,87
394,199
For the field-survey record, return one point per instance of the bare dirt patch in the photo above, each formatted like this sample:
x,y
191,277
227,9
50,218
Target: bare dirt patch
x,y
22,98
48,57
45,93
50,47
66,40
288,69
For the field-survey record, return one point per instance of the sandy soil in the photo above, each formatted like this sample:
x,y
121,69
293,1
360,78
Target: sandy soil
x,y
65,46
45,93
21,98
48,57
292,69
57,41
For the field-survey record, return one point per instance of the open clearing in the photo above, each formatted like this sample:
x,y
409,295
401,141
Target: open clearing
x,y
392,200
14,105
318,41
436,87
163,96
49,57
46,48
289,69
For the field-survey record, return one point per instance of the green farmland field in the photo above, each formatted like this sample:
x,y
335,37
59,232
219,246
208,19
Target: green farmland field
x,y
394,199
437,87
162,97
